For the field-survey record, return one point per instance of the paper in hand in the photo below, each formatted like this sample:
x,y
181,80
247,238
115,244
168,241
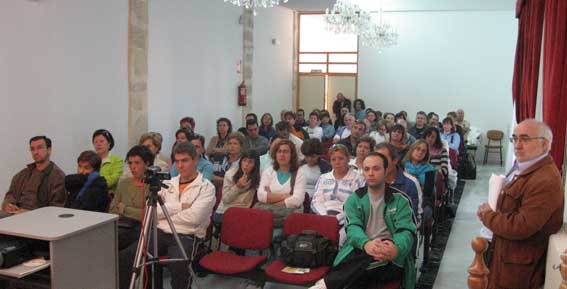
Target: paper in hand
x,y
494,188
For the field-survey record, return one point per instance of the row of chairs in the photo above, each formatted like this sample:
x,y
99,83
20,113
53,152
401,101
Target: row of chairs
x,y
251,229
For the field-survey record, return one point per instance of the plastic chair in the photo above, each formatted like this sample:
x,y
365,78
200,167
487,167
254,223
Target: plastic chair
x,y
242,228
494,136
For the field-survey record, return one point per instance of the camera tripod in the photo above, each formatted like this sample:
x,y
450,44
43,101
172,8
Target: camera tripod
x,y
150,224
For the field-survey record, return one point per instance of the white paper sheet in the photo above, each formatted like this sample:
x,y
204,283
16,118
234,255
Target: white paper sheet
x,y
495,184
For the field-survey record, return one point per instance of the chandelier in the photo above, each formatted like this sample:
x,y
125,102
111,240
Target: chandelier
x,y
348,18
254,4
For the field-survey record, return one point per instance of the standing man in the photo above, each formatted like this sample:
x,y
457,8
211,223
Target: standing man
x,y
253,140
339,103
529,209
381,231
40,184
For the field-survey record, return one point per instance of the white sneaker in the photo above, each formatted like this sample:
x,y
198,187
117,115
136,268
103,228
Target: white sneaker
x,y
319,285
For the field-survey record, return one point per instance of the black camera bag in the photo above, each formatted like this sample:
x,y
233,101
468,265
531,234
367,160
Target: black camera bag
x,y
307,250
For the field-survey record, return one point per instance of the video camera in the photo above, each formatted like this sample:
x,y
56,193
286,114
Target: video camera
x,y
155,177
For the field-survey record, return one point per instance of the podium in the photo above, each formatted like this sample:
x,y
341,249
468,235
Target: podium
x,y
82,246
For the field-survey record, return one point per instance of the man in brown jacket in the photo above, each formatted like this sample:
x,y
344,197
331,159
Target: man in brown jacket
x,y
40,184
529,209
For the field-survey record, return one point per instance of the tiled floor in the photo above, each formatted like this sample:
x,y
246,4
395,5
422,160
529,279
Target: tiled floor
x,y
458,253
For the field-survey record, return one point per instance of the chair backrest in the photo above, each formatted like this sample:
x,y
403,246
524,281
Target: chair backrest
x,y
326,146
246,228
327,226
453,158
440,185
495,135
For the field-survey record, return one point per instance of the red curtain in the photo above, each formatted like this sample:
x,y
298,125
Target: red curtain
x,y
528,50
555,75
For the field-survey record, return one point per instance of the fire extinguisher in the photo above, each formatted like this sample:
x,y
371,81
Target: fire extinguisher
x,y
242,94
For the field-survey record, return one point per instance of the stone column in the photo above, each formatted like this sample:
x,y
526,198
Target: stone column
x,y
295,79
137,70
247,58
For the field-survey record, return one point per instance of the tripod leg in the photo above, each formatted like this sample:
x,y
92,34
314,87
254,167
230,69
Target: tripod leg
x,y
138,260
155,264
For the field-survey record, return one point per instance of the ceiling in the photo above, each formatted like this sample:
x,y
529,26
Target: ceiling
x,y
407,5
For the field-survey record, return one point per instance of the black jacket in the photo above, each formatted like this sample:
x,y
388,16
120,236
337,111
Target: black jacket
x,y
95,198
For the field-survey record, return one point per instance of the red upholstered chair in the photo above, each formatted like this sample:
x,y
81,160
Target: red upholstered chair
x,y
326,146
294,224
453,158
242,228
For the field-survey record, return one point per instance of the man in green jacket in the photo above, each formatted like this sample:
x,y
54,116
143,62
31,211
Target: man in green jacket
x,y
381,230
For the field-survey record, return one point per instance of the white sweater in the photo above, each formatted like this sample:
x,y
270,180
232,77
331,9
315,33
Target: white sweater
x,y
199,195
270,179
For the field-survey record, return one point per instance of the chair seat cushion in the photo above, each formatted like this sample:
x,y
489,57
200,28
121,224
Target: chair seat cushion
x,y
230,263
396,284
274,270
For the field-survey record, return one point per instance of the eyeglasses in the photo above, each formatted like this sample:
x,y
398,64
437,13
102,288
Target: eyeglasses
x,y
524,139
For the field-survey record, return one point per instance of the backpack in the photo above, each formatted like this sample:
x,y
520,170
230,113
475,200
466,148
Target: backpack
x,y
467,167
307,250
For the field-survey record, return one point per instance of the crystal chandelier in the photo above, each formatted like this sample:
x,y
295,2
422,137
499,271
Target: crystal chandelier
x,y
379,36
347,18
254,4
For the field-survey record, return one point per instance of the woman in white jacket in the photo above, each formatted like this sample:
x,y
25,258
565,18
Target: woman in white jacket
x,y
282,189
334,188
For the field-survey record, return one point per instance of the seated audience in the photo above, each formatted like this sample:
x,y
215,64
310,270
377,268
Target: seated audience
x,y
111,168
381,232
283,131
240,184
357,131
294,129
203,166
365,145
267,126
464,124
359,112
189,200
398,140
39,184
235,141
371,120
438,153
151,140
343,132
333,188
300,119
249,117
381,132
340,121
450,135
401,180
130,196
187,123
253,140
282,189
181,135
314,130
87,189
216,150
313,165
434,120
340,102
416,163
390,120
457,128
420,126
327,126
408,137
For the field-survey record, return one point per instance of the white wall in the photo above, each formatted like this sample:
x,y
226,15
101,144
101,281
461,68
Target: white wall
x,y
444,61
194,49
63,73
273,64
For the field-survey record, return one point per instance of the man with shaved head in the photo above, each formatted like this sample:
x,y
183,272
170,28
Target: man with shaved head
x,y
528,211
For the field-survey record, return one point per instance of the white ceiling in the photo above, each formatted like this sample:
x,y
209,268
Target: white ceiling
x,y
407,5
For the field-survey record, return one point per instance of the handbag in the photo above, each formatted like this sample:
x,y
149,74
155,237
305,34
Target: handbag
x,y
307,250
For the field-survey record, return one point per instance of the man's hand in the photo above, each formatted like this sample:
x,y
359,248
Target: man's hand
x,y
482,210
371,248
11,208
243,182
388,250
